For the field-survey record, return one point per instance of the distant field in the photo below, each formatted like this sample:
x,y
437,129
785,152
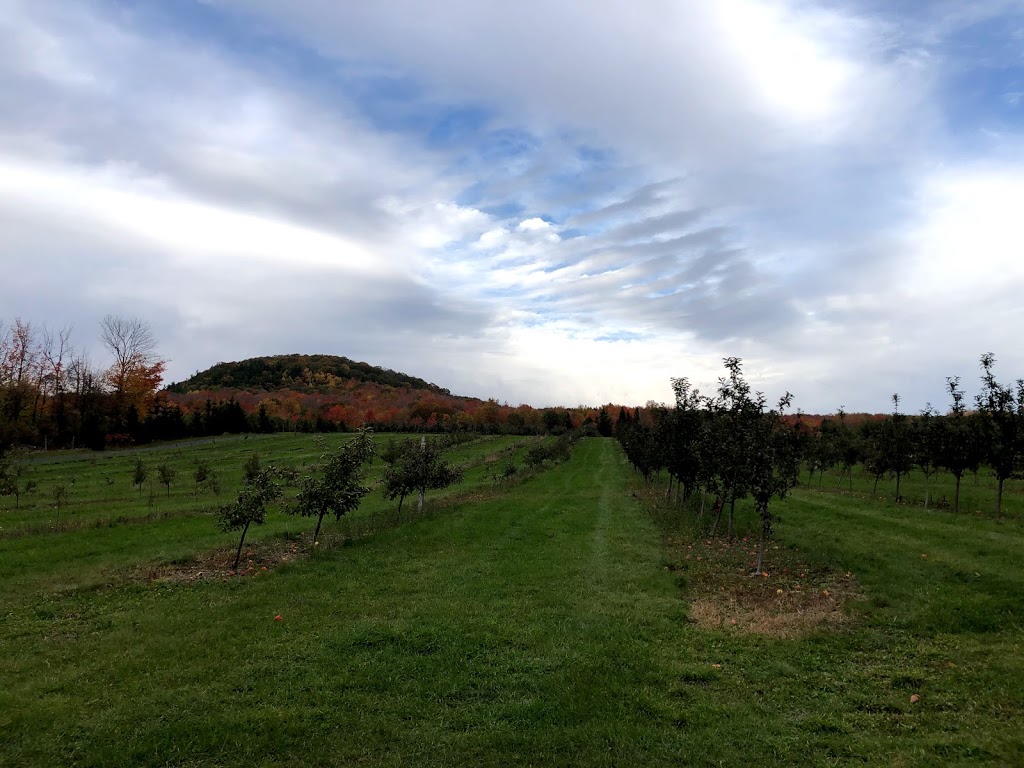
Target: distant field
x,y
569,619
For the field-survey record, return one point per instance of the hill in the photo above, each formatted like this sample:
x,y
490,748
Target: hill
x,y
326,392
298,373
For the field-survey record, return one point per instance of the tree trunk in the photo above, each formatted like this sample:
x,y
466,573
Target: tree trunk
x,y
999,496
419,506
316,533
927,489
719,505
732,518
875,489
241,541
766,526
821,475
898,474
841,476
956,494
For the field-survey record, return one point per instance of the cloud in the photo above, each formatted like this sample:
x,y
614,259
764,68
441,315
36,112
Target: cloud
x,y
820,189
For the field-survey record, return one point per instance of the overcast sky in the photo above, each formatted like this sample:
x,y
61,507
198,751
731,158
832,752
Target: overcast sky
x,y
544,201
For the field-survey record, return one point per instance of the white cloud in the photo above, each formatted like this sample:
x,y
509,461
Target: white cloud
x,y
692,83
211,238
971,237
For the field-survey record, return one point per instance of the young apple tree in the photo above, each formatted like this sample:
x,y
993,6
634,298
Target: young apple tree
x,y
250,507
339,488
417,465
1003,409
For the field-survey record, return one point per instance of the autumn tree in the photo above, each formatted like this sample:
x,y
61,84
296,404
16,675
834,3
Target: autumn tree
x,y
338,485
250,508
19,374
56,357
137,370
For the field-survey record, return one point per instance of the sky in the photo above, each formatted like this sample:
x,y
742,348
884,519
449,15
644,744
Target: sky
x,y
543,202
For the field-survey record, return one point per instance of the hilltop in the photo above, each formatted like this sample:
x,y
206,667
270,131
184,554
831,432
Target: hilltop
x,y
308,374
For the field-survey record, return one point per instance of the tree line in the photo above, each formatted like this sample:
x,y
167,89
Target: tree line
x,y
53,396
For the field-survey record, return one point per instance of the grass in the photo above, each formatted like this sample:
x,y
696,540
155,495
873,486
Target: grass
x,y
868,604
550,622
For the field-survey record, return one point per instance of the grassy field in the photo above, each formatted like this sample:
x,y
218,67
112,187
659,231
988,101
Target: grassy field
x,y
569,619
110,530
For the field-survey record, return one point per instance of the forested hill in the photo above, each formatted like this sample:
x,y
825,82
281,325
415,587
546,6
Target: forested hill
x,y
298,373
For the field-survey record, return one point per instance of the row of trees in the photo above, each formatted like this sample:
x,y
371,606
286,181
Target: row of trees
x,y
730,445
961,441
337,484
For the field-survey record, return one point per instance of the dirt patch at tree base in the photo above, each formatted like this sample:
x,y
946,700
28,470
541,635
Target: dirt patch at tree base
x,y
779,618
795,598
260,558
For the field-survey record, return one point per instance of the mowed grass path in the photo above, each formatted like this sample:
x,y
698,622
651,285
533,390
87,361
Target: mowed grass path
x,y
537,628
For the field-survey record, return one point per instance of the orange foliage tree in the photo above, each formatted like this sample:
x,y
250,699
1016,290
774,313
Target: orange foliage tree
x,y
137,371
